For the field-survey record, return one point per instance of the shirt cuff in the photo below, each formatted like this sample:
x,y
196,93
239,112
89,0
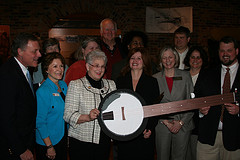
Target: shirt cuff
x,y
201,115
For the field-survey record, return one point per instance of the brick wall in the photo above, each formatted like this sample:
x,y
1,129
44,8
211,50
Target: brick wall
x,y
40,16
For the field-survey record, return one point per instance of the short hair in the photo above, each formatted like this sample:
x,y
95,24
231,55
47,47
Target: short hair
x,y
21,42
147,68
84,44
166,48
48,59
108,19
203,55
182,30
128,37
228,39
96,54
50,42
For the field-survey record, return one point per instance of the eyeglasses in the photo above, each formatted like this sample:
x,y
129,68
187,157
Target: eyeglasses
x,y
97,66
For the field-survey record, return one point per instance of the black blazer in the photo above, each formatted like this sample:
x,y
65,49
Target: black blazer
x,y
147,88
140,148
209,83
17,110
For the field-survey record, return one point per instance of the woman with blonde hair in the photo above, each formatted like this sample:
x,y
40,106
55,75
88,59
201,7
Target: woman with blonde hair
x,y
173,130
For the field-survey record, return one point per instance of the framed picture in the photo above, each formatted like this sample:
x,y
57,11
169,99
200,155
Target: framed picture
x,y
167,20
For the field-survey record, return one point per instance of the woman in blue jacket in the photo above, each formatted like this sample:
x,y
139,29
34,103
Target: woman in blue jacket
x,y
51,129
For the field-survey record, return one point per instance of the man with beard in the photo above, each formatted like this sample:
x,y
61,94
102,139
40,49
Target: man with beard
x,y
219,126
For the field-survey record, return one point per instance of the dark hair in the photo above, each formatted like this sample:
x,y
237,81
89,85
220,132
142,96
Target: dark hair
x,y
21,42
49,42
48,59
228,39
182,30
128,37
147,68
203,55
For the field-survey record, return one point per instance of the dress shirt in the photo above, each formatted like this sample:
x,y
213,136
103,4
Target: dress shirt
x,y
233,73
194,79
24,69
181,58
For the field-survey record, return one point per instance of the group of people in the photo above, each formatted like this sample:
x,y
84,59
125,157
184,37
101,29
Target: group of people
x,y
56,112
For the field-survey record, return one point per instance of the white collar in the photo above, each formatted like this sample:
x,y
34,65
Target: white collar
x,y
24,69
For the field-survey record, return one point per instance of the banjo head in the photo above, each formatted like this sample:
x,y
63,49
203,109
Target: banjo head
x,y
121,115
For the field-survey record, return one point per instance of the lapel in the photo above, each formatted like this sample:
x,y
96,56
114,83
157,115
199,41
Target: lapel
x,y
164,86
218,79
127,81
236,83
140,83
177,81
102,91
21,75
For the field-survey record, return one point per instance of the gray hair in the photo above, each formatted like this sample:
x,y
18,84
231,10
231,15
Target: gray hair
x,y
96,54
166,48
108,19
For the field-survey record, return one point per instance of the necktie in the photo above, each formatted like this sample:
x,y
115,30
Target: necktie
x,y
30,81
226,88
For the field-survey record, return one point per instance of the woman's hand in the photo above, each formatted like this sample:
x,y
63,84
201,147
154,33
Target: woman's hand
x,y
168,124
176,127
204,110
88,117
93,114
51,153
147,133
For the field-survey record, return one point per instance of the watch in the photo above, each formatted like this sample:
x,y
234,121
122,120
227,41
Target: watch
x,y
50,146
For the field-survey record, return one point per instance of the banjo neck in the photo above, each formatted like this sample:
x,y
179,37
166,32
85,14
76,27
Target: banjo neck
x,y
186,105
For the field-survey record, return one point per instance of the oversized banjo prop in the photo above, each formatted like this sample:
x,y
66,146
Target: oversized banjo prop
x,y
123,115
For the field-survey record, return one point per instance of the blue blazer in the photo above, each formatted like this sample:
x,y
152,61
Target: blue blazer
x,y
50,109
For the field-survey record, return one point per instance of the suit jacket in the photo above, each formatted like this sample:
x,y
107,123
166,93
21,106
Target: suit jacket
x,y
147,88
81,98
181,90
209,83
17,110
140,148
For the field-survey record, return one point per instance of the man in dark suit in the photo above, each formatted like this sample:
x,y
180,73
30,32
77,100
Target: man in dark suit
x,y
220,138
18,103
